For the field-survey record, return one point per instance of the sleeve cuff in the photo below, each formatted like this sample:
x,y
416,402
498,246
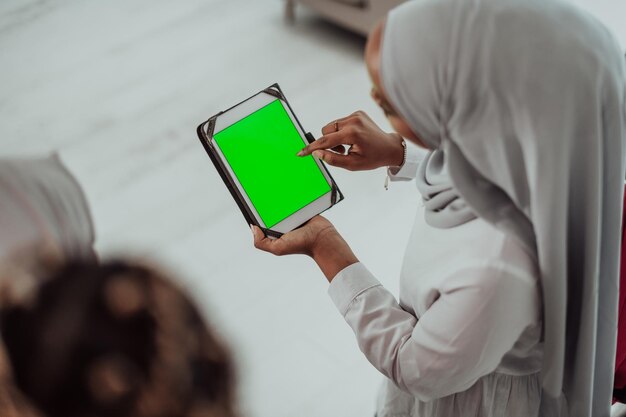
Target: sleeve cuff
x,y
408,170
349,283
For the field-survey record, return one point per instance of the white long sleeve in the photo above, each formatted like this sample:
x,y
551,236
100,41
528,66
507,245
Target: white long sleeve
x,y
475,318
408,170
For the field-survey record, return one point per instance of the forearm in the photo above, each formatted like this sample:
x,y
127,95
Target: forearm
x,y
332,254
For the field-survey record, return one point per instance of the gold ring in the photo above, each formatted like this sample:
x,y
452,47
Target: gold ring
x,y
336,126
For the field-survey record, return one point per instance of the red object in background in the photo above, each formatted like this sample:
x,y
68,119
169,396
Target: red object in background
x,y
619,385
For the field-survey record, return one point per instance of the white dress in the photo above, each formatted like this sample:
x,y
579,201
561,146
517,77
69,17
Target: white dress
x,y
465,338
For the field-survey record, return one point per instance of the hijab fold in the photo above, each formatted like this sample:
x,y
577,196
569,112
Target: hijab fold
x,y
523,104
443,207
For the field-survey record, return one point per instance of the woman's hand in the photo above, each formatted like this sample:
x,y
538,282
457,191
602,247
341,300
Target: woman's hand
x,y
318,239
369,146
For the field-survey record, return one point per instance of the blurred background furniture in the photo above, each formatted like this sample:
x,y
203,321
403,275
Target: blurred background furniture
x,y
356,15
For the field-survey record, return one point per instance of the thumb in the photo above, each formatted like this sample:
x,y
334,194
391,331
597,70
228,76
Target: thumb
x,y
257,236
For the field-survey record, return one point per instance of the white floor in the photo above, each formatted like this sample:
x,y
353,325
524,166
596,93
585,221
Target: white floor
x,y
118,87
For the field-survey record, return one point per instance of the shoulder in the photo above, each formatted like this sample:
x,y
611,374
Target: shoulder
x,y
493,259
473,254
496,250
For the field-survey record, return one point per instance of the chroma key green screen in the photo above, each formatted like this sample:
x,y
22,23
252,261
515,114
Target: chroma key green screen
x,y
261,150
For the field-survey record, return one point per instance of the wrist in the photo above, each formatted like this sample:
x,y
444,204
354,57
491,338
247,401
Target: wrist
x,y
331,253
397,151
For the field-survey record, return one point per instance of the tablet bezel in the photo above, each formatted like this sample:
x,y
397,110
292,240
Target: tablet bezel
x,y
244,109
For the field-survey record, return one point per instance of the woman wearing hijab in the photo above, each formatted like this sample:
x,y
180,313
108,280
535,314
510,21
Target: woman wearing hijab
x,y
508,292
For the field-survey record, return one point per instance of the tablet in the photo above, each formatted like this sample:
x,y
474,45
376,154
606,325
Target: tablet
x,y
253,146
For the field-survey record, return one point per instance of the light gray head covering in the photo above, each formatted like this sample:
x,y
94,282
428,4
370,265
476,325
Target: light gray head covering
x,y
41,202
524,99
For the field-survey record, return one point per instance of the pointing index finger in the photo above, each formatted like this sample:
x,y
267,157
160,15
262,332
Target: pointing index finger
x,y
325,142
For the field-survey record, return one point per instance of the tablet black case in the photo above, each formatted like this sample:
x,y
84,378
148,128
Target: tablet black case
x,y
205,139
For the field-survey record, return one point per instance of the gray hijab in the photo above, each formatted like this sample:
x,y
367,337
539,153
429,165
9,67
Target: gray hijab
x,y
524,102
42,203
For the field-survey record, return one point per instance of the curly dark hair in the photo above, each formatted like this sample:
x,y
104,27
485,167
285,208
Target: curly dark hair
x,y
116,339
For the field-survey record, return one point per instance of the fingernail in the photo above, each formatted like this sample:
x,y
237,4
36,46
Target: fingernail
x,y
301,153
318,154
252,230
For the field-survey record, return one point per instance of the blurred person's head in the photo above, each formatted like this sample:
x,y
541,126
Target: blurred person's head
x,y
113,339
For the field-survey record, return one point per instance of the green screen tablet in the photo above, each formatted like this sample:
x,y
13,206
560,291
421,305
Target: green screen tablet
x,y
254,146
261,150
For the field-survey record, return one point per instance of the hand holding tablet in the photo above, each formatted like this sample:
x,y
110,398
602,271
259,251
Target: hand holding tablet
x,y
318,239
253,146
